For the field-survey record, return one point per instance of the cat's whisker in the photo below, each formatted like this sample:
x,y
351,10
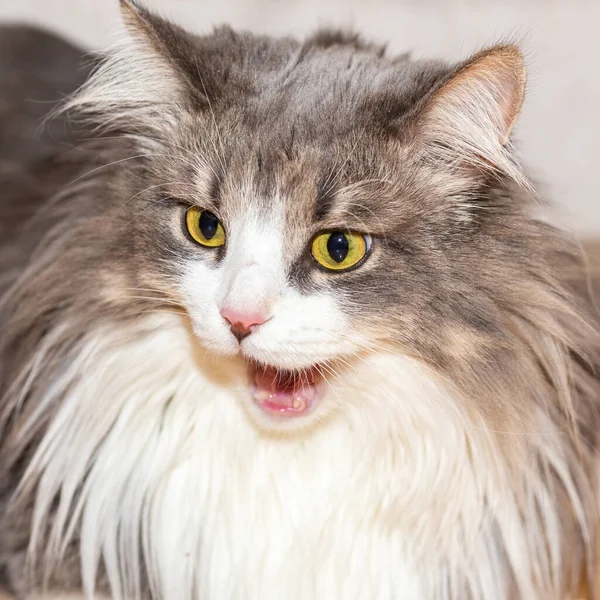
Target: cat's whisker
x,y
155,299
326,372
340,170
165,260
326,184
147,189
221,156
143,289
368,227
111,164
146,208
163,309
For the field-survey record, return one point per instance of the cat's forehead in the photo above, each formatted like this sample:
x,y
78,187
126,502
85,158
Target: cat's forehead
x,y
300,129
332,90
308,192
298,125
330,81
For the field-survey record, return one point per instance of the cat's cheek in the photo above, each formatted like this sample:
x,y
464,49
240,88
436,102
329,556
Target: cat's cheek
x,y
305,330
198,287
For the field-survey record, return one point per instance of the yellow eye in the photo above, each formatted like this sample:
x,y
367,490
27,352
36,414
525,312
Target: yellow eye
x,y
337,251
204,227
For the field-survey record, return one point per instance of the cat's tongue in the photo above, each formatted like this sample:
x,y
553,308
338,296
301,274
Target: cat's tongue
x,y
284,393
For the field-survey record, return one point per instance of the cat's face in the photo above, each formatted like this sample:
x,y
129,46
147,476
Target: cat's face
x,y
309,205
284,262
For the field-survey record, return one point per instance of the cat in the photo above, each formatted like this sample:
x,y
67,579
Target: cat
x,y
280,319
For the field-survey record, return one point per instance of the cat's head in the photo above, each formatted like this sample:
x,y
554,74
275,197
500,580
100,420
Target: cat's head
x,y
310,204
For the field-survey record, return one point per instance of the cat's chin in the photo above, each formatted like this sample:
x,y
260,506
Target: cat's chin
x,y
285,394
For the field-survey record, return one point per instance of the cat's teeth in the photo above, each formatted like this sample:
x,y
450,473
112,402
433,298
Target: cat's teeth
x,y
261,395
297,403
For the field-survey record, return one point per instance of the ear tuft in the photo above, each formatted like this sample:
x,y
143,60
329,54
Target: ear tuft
x,y
473,112
137,89
136,18
130,11
498,76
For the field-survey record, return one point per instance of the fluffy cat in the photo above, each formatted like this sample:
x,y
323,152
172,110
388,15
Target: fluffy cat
x,y
279,320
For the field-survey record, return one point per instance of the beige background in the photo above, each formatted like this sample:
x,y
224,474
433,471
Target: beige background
x,y
559,132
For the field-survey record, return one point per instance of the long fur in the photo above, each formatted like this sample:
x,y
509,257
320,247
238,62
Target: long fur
x,y
455,456
167,456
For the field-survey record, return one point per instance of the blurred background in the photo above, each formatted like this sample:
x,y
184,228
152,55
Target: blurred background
x,y
559,131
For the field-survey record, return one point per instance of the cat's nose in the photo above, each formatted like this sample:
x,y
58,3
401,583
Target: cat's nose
x,y
242,324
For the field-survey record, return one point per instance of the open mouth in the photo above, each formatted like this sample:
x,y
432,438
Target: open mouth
x,y
285,393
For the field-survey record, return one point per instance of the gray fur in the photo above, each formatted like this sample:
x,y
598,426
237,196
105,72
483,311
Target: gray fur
x,y
468,281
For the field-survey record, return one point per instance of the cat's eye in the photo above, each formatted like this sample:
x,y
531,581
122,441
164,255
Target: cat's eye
x,y
339,250
204,227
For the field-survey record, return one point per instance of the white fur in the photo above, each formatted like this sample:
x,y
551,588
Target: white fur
x,y
301,330
389,490
384,499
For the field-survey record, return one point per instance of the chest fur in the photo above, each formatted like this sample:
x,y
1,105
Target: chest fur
x,y
155,459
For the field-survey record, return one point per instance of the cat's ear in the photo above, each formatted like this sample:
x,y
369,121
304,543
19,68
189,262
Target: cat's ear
x,y
136,17
469,118
180,50
146,83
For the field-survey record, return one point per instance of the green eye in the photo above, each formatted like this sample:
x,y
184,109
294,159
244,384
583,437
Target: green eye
x,y
204,227
338,251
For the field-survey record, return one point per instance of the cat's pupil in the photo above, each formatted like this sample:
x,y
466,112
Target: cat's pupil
x,y
208,224
337,246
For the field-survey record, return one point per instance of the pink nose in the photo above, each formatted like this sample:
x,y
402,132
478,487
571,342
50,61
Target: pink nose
x,y
242,324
